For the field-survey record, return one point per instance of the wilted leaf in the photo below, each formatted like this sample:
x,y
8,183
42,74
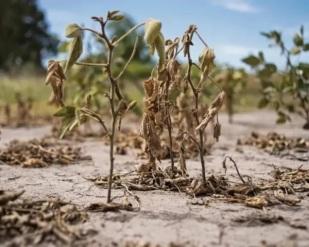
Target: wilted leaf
x,y
66,111
73,31
152,31
70,119
76,49
114,15
298,40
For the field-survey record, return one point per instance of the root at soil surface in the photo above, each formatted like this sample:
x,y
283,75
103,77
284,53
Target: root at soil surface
x,y
286,187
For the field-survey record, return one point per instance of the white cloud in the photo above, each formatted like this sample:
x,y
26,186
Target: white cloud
x,y
236,5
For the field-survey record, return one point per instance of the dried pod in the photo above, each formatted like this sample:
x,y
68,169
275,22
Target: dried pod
x,y
217,131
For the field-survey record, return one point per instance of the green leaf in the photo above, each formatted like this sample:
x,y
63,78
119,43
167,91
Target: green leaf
x,y
268,69
252,60
114,15
298,40
63,47
304,67
302,30
76,49
73,31
261,56
117,18
306,47
274,35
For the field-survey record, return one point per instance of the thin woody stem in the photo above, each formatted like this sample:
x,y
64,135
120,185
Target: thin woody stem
x,y
91,64
115,43
169,122
196,99
114,90
129,61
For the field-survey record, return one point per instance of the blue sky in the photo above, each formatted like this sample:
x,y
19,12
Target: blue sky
x,y
231,27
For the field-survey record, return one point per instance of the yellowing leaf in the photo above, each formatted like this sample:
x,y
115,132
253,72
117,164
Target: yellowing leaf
x,y
152,31
73,31
76,49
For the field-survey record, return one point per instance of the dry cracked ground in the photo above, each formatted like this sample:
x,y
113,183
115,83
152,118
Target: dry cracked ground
x,y
168,218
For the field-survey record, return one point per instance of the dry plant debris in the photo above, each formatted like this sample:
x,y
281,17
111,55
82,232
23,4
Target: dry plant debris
x,y
141,243
277,144
40,153
27,222
286,187
175,116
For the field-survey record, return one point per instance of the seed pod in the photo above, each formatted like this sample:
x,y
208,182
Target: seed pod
x,y
152,31
217,131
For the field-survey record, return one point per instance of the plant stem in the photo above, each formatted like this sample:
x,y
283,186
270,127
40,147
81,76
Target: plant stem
x,y
201,134
114,90
115,43
111,156
91,64
169,122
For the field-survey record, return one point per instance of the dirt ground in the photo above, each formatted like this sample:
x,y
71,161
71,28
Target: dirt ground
x,y
168,217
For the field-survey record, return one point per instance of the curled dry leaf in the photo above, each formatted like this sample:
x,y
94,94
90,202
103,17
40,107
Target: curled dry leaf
x,y
206,62
212,111
55,77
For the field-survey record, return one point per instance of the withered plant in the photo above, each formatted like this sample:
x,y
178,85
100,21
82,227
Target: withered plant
x,y
75,115
166,79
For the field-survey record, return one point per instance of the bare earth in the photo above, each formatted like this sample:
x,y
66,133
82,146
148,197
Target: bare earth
x,y
167,217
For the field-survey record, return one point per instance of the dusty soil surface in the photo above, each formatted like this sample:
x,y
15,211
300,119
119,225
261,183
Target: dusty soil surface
x,y
168,217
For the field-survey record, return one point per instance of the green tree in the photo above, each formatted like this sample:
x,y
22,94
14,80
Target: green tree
x,y
24,34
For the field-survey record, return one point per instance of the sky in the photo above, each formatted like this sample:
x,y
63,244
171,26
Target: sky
x,y
231,27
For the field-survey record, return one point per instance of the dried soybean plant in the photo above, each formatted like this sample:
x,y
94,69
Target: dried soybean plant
x,y
159,102
157,106
73,115
206,63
